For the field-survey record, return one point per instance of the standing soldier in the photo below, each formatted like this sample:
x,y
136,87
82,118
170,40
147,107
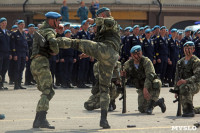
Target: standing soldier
x,y
197,46
105,50
82,12
28,75
173,57
140,70
148,46
161,50
45,45
187,78
19,46
5,51
134,39
156,29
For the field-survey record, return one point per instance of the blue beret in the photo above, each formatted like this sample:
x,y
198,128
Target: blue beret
x,y
31,25
3,19
156,26
147,30
67,31
53,15
167,30
127,28
20,21
136,49
136,26
189,43
36,28
14,26
131,30
180,33
173,30
67,24
141,28
76,27
198,32
102,10
145,27
163,27
83,22
187,29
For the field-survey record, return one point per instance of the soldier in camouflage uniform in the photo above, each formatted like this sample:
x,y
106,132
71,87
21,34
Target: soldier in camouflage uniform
x,y
141,73
45,45
94,100
106,50
187,78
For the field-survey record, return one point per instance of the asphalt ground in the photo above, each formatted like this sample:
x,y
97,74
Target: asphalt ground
x,y
68,115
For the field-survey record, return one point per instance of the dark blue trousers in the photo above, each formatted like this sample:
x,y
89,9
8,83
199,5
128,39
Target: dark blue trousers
x,y
83,70
19,67
4,64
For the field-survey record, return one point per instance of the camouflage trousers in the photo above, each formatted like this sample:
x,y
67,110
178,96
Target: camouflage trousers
x,y
187,92
143,103
42,75
94,100
107,57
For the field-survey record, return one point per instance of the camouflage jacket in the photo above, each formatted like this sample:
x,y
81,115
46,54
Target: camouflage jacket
x,y
108,32
143,76
190,71
51,45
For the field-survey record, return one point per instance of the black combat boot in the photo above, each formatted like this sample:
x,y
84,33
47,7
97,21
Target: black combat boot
x,y
69,85
150,108
41,121
16,87
11,82
20,85
103,121
189,112
36,119
112,105
161,104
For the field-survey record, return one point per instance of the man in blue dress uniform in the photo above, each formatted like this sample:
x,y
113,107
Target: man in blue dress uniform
x,y
5,50
29,36
19,46
186,38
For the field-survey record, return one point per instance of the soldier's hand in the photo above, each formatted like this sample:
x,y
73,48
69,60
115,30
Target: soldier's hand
x,y
154,61
176,96
90,21
159,60
180,82
123,73
147,96
62,60
15,58
26,58
10,57
74,61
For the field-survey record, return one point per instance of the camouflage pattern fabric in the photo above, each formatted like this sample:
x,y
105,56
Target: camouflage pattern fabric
x,y
143,77
197,110
191,73
106,52
42,75
94,100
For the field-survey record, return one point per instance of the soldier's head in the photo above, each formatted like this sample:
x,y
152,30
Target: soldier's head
x,y
180,35
157,29
31,28
136,53
136,30
163,31
148,33
67,33
188,48
187,32
3,23
14,27
21,24
53,19
82,3
174,33
142,31
103,12
127,31
198,34
84,25
60,29
67,26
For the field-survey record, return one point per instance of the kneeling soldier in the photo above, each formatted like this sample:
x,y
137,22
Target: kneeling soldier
x,y
141,73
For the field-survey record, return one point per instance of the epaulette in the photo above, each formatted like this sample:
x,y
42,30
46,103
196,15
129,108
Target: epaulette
x,y
157,54
15,31
14,50
158,36
168,39
143,39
